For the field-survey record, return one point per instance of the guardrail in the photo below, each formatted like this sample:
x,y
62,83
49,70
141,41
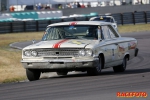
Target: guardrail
x,y
132,17
40,25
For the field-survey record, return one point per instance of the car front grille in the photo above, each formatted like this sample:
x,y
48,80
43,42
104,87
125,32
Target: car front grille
x,y
58,52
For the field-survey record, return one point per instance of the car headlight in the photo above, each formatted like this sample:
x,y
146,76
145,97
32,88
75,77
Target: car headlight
x,y
34,53
82,52
89,52
27,53
115,26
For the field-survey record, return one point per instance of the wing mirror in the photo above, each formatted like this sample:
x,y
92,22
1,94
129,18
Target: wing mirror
x,y
33,41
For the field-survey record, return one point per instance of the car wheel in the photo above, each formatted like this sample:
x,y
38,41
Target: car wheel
x,y
96,70
122,67
33,74
62,72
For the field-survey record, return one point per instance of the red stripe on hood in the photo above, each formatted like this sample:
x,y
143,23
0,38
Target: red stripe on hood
x,y
57,45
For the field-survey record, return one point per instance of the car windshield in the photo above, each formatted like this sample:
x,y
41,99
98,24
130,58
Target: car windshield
x,y
71,32
103,19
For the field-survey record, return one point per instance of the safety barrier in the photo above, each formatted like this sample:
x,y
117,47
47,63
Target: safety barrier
x,y
132,17
41,23
30,15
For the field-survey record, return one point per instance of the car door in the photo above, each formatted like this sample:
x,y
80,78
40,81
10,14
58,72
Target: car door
x,y
110,46
118,46
107,46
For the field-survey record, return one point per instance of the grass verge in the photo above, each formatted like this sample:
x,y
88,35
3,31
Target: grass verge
x,y
11,69
133,28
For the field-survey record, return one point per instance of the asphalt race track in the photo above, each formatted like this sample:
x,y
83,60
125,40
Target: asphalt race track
x,y
79,86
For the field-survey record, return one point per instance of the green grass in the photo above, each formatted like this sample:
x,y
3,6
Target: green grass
x,y
134,28
11,69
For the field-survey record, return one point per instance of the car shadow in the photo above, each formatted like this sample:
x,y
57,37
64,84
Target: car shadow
x,y
128,71
105,73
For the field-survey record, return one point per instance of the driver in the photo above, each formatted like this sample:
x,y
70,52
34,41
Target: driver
x,y
92,32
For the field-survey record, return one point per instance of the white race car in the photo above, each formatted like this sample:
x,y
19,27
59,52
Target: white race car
x,y
105,18
78,46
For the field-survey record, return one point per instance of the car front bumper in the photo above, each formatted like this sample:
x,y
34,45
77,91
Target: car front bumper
x,y
59,64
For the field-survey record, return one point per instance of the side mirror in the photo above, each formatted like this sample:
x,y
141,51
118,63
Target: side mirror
x,y
33,41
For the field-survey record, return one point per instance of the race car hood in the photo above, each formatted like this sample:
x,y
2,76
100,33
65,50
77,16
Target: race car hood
x,y
65,43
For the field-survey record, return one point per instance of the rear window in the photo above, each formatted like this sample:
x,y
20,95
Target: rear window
x,y
102,19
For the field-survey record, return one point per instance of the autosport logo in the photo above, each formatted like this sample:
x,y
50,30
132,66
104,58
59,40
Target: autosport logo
x,y
132,94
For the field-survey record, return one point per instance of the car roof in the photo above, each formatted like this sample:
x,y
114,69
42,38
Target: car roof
x,y
80,23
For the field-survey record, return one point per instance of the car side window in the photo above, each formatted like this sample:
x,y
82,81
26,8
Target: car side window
x,y
105,31
112,32
112,20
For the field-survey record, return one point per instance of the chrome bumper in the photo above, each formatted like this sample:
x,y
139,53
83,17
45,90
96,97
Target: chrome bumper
x,y
59,64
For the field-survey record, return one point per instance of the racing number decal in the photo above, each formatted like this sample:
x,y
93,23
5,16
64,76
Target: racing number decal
x,y
113,52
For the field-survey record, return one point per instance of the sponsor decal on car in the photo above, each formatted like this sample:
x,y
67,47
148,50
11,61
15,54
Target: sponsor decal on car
x,y
121,49
76,42
132,45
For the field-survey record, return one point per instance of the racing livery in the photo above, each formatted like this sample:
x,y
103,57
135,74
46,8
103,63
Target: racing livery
x,y
78,46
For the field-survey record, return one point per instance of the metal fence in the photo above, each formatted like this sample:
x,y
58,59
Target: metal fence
x,y
40,25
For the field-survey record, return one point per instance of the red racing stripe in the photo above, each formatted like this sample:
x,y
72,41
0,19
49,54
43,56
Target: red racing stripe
x,y
73,23
57,45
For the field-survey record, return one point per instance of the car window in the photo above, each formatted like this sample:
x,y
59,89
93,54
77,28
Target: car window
x,y
72,32
112,20
102,19
112,32
105,31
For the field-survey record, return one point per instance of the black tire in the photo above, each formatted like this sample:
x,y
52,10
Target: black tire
x,y
62,72
33,74
96,70
122,67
